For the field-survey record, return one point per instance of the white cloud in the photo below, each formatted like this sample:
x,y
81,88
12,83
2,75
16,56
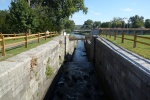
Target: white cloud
x,y
127,9
2,1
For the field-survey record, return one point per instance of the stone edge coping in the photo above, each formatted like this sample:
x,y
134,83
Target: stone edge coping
x,y
11,63
139,62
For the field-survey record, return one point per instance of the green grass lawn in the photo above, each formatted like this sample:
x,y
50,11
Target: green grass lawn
x,y
20,49
141,49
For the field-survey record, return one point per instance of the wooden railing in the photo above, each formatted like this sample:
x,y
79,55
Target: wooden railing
x,y
26,38
122,36
129,29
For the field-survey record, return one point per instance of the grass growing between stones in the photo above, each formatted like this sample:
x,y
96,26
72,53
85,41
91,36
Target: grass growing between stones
x,y
49,70
20,49
141,49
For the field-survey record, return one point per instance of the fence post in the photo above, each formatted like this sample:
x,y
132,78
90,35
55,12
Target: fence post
x,y
114,35
109,34
26,39
106,33
45,35
3,45
14,35
50,34
122,37
135,38
38,37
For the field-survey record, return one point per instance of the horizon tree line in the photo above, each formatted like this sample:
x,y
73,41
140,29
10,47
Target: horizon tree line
x,y
117,22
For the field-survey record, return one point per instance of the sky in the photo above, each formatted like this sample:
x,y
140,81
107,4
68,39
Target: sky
x,y
105,10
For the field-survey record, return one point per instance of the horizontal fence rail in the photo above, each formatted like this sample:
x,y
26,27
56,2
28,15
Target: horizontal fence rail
x,y
26,38
134,37
120,29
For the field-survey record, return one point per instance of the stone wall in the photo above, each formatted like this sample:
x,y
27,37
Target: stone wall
x,y
123,74
27,76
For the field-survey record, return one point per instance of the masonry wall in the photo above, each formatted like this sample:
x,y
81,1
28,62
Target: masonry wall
x,y
124,74
27,76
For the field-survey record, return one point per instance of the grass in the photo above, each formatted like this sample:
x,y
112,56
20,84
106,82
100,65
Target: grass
x,y
141,49
20,49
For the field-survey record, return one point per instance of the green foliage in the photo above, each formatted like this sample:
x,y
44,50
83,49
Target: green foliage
x,y
77,27
4,21
69,24
105,25
147,23
44,19
137,21
96,24
41,15
59,10
49,70
88,24
68,31
117,22
22,17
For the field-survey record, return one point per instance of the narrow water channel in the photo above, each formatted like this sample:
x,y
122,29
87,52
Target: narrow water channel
x,y
78,80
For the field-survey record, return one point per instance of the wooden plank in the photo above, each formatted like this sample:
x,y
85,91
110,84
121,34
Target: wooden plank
x,y
118,36
143,37
32,39
32,35
16,43
10,38
42,33
143,43
42,36
129,34
129,39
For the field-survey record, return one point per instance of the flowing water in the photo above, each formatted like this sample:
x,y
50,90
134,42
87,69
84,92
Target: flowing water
x,y
78,80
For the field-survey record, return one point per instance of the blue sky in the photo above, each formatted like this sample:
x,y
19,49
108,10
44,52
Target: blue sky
x,y
105,10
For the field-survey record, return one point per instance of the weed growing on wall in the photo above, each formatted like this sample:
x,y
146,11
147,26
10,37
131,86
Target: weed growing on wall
x,y
49,70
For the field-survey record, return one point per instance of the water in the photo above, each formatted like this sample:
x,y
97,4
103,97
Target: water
x,y
78,80
80,52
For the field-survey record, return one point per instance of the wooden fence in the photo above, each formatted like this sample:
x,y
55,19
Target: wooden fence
x,y
26,38
121,35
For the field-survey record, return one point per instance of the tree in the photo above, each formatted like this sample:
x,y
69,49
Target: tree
x,y
42,15
147,23
88,24
22,17
61,9
4,21
77,27
69,24
137,21
117,22
105,25
96,24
